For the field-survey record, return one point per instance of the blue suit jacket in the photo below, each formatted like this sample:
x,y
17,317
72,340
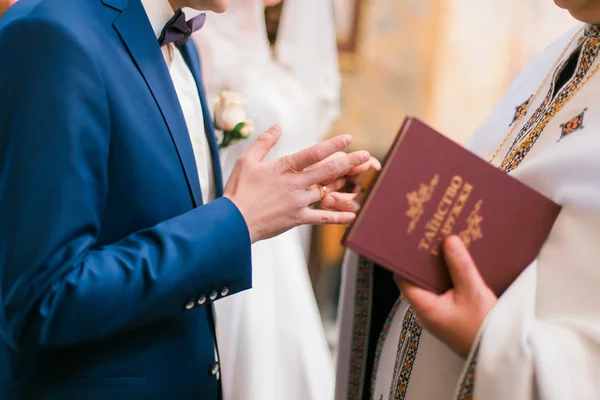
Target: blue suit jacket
x,y
107,260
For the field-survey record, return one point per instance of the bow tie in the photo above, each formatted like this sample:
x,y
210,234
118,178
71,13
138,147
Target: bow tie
x,y
178,30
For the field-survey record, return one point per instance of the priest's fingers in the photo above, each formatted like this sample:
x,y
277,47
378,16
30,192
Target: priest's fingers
x,y
335,168
461,266
372,163
340,202
263,144
398,281
354,174
309,157
335,185
324,217
423,301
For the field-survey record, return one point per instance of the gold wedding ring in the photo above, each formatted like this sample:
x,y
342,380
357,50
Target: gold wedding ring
x,y
323,190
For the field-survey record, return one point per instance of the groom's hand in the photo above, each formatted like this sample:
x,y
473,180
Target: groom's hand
x,y
5,5
275,196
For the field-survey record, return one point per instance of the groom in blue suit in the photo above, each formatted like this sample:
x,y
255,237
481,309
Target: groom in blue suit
x,y
109,261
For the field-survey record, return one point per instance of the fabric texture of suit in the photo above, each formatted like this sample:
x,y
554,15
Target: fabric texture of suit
x,y
109,262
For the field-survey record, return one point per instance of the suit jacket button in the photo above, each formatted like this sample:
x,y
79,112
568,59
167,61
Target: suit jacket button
x,y
215,369
224,292
189,305
201,300
213,295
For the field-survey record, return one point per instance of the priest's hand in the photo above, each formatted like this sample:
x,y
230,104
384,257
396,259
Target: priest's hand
x,y
454,317
274,196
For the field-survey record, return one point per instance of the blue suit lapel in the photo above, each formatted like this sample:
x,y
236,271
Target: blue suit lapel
x,y
192,58
133,27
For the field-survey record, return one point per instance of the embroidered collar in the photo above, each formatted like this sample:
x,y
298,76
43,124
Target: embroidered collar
x,y
592,31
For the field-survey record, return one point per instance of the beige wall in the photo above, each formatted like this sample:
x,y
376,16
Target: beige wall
x,y
446,61
485,44
392,71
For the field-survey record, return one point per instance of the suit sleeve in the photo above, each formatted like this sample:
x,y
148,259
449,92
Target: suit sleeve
x,y
58,289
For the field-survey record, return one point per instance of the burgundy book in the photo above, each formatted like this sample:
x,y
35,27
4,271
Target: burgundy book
x,y
429,188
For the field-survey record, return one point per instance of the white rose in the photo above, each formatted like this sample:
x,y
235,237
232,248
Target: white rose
x,y
229,111
247,129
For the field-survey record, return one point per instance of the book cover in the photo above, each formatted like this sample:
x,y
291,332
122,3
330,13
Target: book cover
x,y
430,188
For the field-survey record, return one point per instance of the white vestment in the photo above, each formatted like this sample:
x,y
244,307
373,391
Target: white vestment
x,y
542,340
271,338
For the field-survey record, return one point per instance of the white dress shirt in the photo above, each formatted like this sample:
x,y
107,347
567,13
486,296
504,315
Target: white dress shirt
x,y
159,13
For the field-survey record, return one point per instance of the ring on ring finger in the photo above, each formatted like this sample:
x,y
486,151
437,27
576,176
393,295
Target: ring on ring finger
x,y
323,190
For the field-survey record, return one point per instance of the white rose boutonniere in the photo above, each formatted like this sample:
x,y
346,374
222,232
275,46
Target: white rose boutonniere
x,y
230,118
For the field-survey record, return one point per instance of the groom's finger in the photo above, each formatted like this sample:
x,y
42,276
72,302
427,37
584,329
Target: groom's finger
x,y
323,217
264,143
313,155
317,192
335,155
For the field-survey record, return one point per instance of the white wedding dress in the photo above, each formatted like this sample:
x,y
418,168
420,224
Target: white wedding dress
x,y
271,337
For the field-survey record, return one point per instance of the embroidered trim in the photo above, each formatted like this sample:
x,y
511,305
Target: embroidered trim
x,y
467,385
531,131
401,385
592,31
572,125
401,348
382,339
537,116
360,329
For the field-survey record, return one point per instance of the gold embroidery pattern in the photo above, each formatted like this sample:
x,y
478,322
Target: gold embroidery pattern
x,y
592,31
473,231
360,329
400,352
572,125
417,200
538,115
531,131
382,339
467,385
520,110
406,355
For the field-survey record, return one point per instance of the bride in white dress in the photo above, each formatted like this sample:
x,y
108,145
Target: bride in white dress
x,y
271,338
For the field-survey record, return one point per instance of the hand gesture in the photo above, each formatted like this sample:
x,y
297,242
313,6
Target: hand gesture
x,y
341,201
274,196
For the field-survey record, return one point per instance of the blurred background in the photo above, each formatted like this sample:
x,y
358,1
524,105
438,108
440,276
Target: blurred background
x,y
445,61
